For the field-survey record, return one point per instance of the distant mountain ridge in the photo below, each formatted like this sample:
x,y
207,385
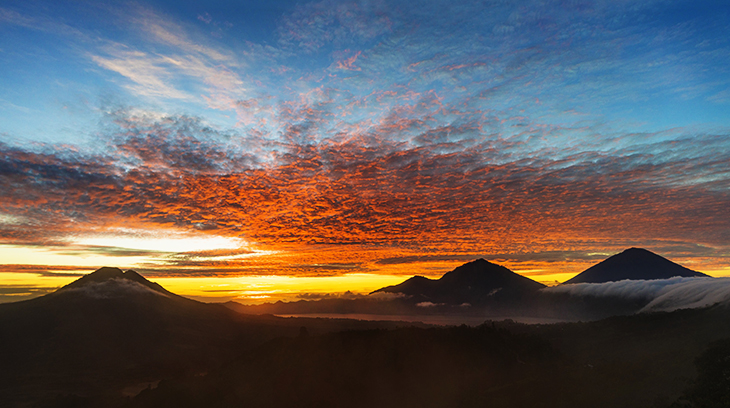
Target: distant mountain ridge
x,y
482,288
633,264
475,283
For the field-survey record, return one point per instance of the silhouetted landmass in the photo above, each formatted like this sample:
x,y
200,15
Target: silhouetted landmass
x,y
476,288
111,332
633,263
342,306
114,333
402,368
475,283
106,274
481,288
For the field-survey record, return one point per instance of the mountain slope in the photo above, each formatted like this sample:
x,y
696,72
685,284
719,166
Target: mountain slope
x,y
106,331
477,288
633,263
111,332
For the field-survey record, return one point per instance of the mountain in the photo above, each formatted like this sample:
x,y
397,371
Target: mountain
x,y
635,264
475,289
107,331
475,283
107,280
483,289
111,332
478,288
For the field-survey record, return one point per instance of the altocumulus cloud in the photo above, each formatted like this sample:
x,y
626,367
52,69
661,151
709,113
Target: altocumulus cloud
x,y
365,188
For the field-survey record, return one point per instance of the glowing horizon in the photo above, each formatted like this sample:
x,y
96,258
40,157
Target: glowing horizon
x,y
255,286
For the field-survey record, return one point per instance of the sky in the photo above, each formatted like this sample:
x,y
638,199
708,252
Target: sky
x,y
266,150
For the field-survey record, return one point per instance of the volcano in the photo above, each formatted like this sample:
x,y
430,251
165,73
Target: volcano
x,y
475,283
111,333
110,330
634,264
106,281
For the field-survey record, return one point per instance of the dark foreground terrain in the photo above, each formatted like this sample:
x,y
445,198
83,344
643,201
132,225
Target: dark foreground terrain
x,y
110,334
634,361
114,339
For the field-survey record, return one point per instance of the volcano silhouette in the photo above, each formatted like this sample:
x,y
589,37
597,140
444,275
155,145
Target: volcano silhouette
x,y
110,329
635,264
113,282
476,282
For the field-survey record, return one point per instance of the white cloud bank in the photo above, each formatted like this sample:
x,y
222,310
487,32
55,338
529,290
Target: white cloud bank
x,y
699,292
660,295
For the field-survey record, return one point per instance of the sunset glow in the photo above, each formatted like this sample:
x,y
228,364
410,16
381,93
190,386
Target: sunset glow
x,y
269,151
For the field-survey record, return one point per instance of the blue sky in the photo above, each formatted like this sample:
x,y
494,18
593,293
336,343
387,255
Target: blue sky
x,y
645,66
550,127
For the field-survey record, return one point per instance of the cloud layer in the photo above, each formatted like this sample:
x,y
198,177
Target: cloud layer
x,y
663,295
367,190
533,131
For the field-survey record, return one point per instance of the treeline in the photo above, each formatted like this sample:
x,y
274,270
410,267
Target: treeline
x,y
632,361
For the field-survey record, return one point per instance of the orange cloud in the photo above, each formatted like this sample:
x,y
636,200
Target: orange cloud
x,y
369,195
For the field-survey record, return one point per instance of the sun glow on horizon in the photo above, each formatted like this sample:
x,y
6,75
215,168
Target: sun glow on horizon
x,y
162,240
271,288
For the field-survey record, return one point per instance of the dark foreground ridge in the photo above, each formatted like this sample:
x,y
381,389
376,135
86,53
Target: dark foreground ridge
x,y
634,264
637,361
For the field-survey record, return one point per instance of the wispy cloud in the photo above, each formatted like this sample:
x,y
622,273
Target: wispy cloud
x,y
646,290
150,75
165,30
41,23
692,294
47,270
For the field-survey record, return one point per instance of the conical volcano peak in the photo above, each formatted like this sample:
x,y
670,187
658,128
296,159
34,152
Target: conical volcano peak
x,y
481,272
475,283
633,251
634,264
111,278
105,273
136,277
480,265
478,262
